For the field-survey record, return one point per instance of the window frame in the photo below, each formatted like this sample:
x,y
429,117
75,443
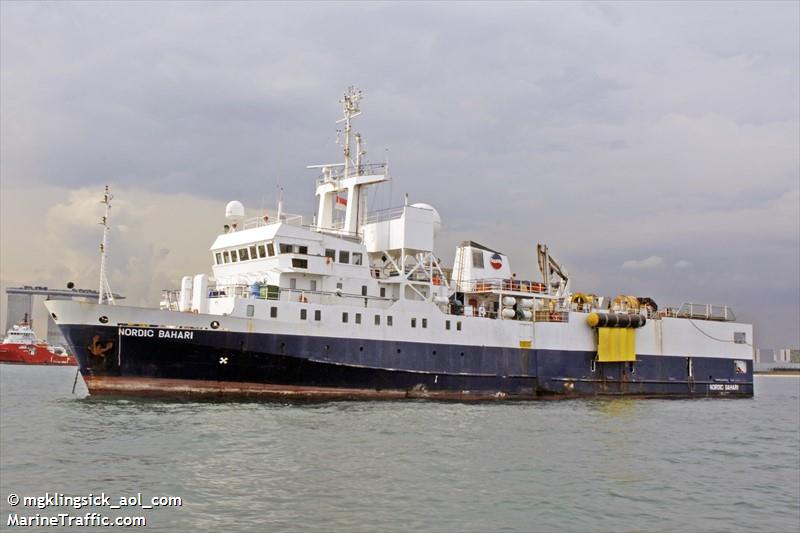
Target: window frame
x,y
478,254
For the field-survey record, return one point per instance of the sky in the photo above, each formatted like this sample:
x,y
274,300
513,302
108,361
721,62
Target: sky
x,y
655,147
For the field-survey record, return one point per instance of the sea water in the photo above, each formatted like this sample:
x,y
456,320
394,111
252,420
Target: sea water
x,y
569,465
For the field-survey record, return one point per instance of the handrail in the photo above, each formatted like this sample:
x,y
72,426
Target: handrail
x,y
705,312
390,213
336,171
501,284
286,218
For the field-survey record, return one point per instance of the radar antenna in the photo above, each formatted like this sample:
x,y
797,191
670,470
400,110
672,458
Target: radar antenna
x,y
105,290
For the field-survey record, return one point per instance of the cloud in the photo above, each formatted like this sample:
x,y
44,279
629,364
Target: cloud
x,y
651,262
154,239
683,263
608,131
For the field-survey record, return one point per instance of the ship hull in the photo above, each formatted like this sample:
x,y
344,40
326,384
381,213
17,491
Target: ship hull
x,y
171,362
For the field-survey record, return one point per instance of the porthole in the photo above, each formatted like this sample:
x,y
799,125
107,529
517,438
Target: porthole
x,y
327,347
434,352
283,347
54,316
214,324
399,350
462,354
103,319
360,348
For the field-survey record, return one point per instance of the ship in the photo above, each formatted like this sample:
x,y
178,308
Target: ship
x,y
20,346
356,305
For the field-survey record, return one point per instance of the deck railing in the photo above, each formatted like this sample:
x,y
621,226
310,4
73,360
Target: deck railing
x,y
500,284
705,312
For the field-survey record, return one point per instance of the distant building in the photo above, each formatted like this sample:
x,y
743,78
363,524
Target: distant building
x,y
788,355
20,306
764,355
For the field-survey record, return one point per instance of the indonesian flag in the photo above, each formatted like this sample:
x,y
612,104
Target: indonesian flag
x,y
341,202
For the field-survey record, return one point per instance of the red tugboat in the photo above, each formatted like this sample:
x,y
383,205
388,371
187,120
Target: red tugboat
x,y
20,346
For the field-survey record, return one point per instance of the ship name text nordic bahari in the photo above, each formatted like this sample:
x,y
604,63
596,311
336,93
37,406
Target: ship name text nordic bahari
x,y
356,305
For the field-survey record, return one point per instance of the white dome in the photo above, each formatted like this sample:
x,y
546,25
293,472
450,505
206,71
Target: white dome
x,y
234,210
437,219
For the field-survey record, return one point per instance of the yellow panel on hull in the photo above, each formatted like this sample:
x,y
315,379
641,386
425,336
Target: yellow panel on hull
x,y
616,344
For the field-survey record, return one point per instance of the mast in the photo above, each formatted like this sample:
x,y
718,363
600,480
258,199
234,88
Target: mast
x,y
351,110
349,177
105,290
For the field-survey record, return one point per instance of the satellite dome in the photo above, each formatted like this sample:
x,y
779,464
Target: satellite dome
x,y
234,210
437,219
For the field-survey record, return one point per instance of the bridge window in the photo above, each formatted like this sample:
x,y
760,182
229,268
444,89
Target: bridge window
x,y
344,256
377,320
458,325
413,322
253,252
477,259
262,251
273,312
357,258
330,252
285,248
234,256
299,263
243,255
345,317
226,256
303,314
383,292
219,258
317,315
303,250
363,290
446,324
358,318
270,249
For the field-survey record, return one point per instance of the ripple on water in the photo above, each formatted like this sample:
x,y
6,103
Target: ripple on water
x,y
597,465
